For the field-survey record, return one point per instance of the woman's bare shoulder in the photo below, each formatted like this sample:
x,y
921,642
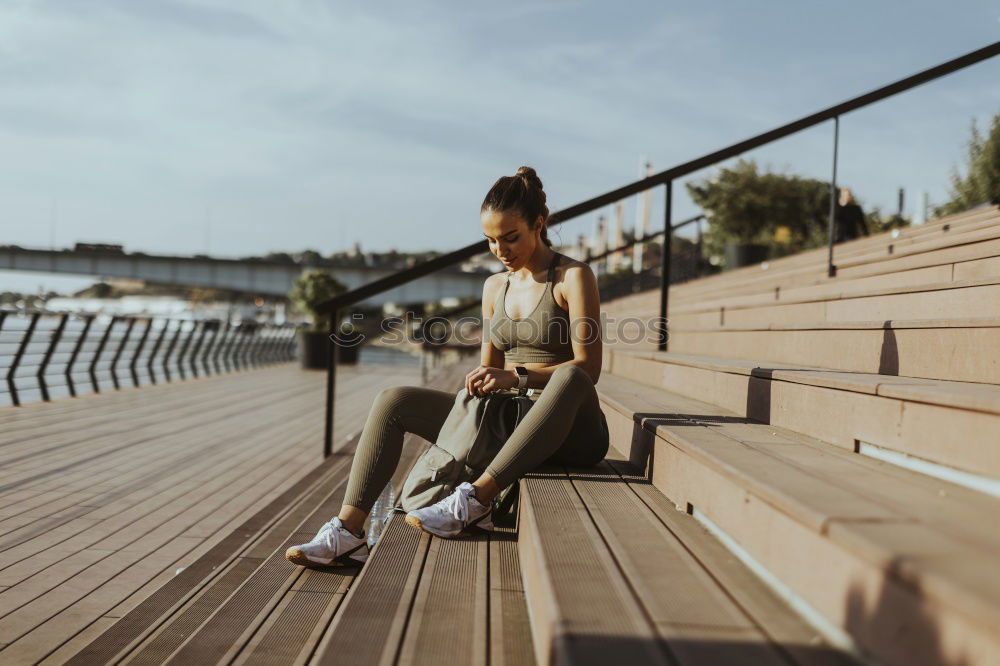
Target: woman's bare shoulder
x,y
571,275
491,287
572,270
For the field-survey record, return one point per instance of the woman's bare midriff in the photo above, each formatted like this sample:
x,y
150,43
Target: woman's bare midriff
x,y
529,366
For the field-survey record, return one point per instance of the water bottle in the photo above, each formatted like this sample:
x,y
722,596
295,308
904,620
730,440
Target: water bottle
x,y
375,522
380,513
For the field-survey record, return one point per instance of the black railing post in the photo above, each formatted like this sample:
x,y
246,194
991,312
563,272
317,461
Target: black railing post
x,y
239,337
286,340
223,340
76,352
170,349
56,337
207,354
665,248
831,270
331,382
253,351
97,354
197,346
274,350
243,344
118,353
250,348
138,352
266,343
293,335
156,348
279,345
232,356
185,347
17,357
206,349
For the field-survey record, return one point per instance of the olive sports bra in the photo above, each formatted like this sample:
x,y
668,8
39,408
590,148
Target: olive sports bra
x,y
541,337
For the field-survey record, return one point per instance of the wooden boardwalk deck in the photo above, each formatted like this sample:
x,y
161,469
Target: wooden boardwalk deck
x,y
105,498
244,603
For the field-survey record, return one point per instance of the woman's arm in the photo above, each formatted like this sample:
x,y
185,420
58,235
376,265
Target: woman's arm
x,y
489,355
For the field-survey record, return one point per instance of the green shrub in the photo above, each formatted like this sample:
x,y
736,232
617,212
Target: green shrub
x,y
312,288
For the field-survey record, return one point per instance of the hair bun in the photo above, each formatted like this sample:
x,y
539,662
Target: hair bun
x,y
530,177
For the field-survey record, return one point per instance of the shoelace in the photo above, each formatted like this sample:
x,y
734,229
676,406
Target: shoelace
x,y
326,531
457,504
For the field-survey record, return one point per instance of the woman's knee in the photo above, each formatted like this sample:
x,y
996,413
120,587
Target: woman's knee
x,y
570,374
392,395
399,400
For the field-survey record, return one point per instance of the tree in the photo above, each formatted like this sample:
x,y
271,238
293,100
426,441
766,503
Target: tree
x,y
743,205
310,258
981,183
310,290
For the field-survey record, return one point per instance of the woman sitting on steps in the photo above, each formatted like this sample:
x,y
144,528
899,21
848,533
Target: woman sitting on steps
x,y
556,345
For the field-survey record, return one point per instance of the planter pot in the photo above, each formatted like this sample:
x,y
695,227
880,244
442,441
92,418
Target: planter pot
x,y
745,254
348,355
313,348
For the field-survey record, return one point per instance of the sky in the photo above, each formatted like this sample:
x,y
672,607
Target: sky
x,y
242,127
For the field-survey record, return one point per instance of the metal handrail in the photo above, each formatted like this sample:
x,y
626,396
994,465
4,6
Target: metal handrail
x,y
666,178
111,350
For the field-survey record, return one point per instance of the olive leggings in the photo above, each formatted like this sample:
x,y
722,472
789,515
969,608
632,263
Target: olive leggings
x,y
564,426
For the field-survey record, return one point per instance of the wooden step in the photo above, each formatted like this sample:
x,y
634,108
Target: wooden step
x,y
902,564
614,574
880,255
954,424
947,300
962,350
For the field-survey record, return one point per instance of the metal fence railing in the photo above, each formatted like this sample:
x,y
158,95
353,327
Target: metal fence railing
x,y
45,355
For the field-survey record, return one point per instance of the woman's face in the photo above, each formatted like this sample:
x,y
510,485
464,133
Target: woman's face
x,y
510,238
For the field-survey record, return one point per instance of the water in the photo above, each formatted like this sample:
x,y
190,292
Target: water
x,y
372,354
380,514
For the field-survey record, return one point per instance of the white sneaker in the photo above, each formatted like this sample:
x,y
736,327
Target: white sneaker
x,y
333,545
457,514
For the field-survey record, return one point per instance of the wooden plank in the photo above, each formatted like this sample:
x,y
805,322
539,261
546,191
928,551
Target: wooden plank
x,y
449,618
576,623
510,640
374,614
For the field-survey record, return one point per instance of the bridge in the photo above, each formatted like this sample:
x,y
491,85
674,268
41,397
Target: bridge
x,y
257,276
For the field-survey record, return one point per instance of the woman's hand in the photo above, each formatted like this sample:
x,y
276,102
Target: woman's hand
x,y
485,380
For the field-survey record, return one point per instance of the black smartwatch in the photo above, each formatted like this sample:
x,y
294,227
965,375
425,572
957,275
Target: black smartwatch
x,y
522,379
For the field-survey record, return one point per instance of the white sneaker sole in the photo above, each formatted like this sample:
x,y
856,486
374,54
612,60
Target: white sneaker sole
x,y
416,522
296,556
